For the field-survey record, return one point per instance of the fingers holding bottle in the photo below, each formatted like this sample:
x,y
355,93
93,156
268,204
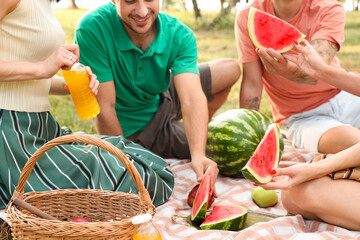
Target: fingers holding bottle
x,y
94,82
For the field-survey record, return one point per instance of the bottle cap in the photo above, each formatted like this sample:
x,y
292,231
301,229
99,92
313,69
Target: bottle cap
x,y
77,67
141,218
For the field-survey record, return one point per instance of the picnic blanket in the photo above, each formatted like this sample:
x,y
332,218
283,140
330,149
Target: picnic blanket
x,y
238,191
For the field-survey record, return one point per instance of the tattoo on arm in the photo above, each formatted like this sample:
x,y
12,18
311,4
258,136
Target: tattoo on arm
x,y
326,50
253,103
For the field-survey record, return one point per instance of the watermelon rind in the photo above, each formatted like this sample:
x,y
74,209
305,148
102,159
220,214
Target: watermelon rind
x,y
224,219
250,173
199,214
256,41
233,137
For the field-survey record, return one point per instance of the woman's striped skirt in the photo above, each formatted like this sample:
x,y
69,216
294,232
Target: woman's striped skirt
x,y
73,165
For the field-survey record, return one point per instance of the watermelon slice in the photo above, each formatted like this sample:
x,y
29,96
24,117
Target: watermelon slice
x,y
202,198
225,217
266,156
268,31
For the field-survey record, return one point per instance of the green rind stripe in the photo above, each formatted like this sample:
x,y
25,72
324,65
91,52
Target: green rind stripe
x,y
201,214
232,224
250,175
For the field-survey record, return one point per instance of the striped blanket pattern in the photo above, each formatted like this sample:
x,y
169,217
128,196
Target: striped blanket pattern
x,y
238,191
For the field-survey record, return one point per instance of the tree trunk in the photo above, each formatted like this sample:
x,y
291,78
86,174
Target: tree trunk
x,y
72,4
196,9
222,5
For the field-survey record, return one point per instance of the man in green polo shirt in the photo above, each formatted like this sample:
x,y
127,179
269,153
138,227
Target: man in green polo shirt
x,y
146,62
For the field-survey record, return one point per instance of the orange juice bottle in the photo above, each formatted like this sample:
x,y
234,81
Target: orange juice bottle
x,y
85,101
145,229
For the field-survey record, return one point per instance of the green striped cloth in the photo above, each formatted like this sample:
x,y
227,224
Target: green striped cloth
x,y
73,165
350,173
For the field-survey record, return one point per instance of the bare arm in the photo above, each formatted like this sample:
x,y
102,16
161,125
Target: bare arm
x,y
327,50
107,123
7,6
251,86
285,178
195,115
308,60
22,71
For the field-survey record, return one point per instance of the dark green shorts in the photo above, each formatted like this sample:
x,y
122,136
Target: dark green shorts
x,y
165,134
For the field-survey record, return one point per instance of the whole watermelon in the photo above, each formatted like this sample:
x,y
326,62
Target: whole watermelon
x,y
233,137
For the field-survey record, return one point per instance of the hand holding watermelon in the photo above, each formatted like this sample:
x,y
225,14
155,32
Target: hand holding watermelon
x,y
200,165
192,195
288,177
274,62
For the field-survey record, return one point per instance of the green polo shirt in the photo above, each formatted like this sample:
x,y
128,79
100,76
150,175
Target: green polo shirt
x,y
139,77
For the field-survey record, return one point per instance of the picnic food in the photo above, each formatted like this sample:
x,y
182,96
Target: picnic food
x,y
233,137
78,81
80,219
264,198
192,194
225,217
266,156
202,198
268,31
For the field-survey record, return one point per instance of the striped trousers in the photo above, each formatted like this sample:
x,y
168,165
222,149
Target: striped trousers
x,y
73,165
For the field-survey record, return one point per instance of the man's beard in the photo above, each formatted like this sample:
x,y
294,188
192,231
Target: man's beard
x,y
131,17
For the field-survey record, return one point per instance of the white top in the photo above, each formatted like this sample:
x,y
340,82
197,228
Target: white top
x,y
30,33
141,218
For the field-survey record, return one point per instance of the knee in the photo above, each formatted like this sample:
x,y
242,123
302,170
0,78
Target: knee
x,y
227,68
232,67
302,199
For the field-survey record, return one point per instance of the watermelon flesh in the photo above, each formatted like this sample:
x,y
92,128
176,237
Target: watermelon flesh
x,y
268,31
225,217
202,198
266,156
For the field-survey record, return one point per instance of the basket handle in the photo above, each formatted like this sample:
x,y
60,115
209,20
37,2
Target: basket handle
x,y
25,173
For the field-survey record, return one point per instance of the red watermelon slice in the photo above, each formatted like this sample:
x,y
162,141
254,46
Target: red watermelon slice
x,y
268,31
266,156
202,198
225,217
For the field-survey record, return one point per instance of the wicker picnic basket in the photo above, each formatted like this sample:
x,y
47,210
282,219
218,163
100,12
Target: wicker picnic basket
x,y
110,212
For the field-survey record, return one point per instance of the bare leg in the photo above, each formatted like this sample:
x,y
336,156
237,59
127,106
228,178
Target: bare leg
x,y
338,139
334,201
224,74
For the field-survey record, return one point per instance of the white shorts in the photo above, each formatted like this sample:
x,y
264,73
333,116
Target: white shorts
x,y
305,129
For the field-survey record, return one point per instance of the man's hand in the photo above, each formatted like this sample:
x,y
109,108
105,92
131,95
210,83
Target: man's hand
x,y
200,164
274,62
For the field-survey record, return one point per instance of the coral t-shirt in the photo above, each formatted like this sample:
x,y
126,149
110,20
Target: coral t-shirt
x,y
317,19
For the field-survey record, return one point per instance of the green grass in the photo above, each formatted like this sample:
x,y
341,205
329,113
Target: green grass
x,y
349,55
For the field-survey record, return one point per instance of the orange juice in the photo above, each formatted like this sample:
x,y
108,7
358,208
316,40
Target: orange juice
x,y
144,228
147,236
85,101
